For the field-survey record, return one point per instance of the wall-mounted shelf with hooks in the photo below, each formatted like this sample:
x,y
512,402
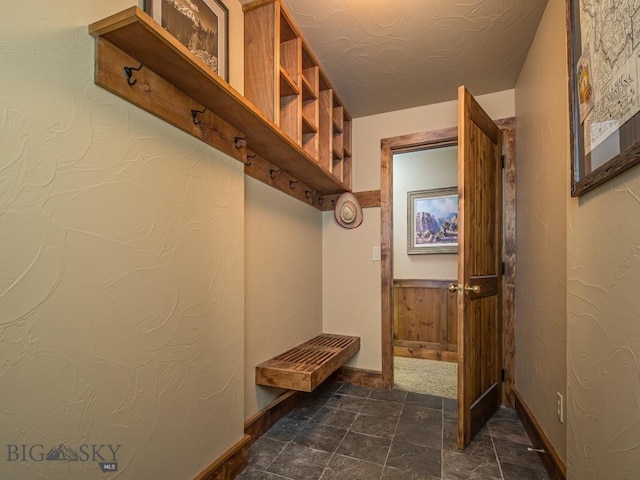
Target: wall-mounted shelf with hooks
x,y
133,35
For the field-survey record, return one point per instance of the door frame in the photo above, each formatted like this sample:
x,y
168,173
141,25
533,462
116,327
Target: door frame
x,y
426,141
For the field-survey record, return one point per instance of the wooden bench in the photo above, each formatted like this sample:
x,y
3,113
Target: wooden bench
x,y
306,366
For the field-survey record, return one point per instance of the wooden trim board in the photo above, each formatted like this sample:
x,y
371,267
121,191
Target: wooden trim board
x,y
362,377
230,464
259,423
550,459
367,199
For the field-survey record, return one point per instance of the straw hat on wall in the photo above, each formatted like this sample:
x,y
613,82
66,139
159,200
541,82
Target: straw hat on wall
x,y
348,212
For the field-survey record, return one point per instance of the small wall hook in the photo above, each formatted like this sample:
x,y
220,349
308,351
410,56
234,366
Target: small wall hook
x,y
320,199
194,116
240,141
248,163
273,173
292,184
333,202
128,72
307,193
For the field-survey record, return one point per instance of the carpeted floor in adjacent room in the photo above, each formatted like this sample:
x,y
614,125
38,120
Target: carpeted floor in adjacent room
x,y
426,376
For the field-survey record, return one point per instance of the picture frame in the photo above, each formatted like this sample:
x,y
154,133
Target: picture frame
x,y
432,217
200,25
604,93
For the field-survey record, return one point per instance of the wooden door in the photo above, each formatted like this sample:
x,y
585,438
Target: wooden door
x,y
479,267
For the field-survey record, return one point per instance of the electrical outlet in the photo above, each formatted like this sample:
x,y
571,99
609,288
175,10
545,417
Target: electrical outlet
x,y
560,407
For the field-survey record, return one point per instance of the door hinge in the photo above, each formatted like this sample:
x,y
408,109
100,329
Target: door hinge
x,y
504,374
504,268
504,161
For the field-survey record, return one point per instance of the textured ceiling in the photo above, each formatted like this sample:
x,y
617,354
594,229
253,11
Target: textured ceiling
x,y
385,55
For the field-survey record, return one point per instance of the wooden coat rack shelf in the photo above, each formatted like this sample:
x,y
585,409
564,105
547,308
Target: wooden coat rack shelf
x,y
173,83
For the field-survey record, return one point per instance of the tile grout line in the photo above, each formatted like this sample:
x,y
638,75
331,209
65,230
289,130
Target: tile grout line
x,y
393,437
348,428
495,451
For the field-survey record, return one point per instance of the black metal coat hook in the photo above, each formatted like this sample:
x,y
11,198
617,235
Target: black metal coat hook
x,y
333,202
307,193
248,163
128,72
194,116
273,173
240,141
292,184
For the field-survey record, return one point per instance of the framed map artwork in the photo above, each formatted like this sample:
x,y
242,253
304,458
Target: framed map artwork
x,y
604,81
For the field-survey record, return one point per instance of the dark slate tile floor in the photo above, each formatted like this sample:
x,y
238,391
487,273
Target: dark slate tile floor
x,y
347,432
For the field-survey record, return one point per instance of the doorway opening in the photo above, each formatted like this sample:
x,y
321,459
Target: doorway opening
x,y
424,264
391,148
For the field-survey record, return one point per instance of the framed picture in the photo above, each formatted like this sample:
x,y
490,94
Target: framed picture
x,y
604,83
200,25
432,221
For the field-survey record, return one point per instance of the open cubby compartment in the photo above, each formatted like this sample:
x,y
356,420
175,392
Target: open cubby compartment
x,y
337,115
346,136
346,170
290,84
325,125
337,159
310,86
261,49
290,49
310,103
290,119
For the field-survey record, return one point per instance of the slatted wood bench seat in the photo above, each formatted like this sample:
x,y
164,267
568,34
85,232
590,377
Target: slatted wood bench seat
x,y
306,366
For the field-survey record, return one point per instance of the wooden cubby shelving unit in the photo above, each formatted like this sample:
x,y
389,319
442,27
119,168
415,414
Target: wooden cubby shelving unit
x,y
174,82
284,80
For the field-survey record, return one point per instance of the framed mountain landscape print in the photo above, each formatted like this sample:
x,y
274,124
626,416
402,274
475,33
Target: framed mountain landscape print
x,y
432,221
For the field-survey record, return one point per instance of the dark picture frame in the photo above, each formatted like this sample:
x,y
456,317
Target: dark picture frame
x,y
432,217
604,93
200,25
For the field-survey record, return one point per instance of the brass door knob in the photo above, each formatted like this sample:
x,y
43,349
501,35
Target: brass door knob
x,y
454,288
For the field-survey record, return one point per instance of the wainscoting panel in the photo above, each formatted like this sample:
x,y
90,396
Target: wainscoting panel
x,y
424,320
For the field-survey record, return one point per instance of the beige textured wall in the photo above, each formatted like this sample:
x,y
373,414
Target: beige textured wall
x,y
121,265
542,192
351,284
283,278
603,332
351,279
424,170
